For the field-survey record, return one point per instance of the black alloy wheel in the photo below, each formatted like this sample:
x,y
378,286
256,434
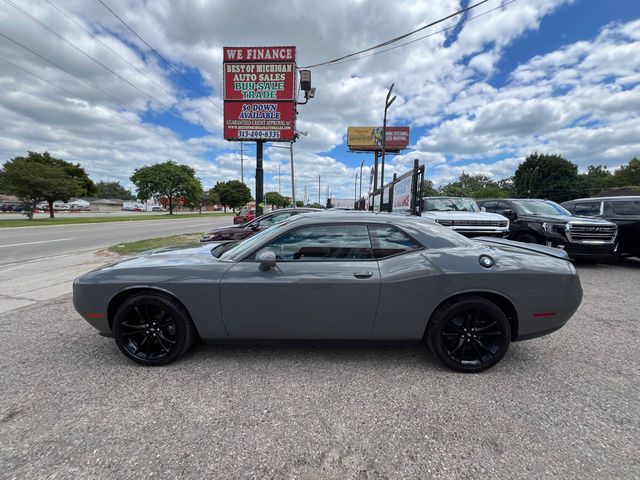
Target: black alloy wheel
x,y
152,329
470,334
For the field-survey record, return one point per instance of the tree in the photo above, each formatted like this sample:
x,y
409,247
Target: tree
x,y
193,195
276,200
233,193
113,190
39,176
300,203
210,197
628,174
547,176
428,190
167,179
474,186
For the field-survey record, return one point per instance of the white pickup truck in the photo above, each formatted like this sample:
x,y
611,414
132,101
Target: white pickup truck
x,y
464,216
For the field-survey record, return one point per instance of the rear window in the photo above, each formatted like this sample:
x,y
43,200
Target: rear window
x,y
586,208
626,207
388,241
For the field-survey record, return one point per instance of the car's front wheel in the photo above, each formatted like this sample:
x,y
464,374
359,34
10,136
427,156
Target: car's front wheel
x,y
153,329
469,334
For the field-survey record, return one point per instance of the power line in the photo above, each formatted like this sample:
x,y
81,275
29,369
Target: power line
x,y
65,90
46,27
428,35
88,84
396,39
169,64
79,25
60,67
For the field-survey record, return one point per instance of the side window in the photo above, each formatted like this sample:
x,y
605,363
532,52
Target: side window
x,y
273,219
626,207
490,205
502,206
387,241
588,209
323,243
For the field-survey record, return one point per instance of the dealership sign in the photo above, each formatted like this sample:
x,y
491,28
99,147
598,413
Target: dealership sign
x,y
370,138
259,93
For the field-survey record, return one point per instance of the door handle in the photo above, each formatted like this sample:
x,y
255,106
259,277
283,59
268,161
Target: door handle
x,y
362,274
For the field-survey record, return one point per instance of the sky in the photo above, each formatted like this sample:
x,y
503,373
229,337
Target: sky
x,y
480,91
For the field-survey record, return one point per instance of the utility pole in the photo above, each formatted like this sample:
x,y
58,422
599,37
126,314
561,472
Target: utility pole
x,y
279,179
355,191
241,163
259,177
319,190
387,104
293,182
361,165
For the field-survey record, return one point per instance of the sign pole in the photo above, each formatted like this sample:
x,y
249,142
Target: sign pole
x,y
259,178
293,182
375,170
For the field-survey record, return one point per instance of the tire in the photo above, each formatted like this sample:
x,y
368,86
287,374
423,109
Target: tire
x,y
153,329
527,238
469,334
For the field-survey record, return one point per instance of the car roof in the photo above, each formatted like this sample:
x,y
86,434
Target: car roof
x,y
625,197
513,200
364,216
445,196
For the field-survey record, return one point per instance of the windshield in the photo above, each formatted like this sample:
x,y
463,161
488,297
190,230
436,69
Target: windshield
x,y
447,204
248,243
541,207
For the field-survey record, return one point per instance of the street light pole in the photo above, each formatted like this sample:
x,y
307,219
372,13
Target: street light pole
x,y
355,191
361,165
241,163
293,182
387,104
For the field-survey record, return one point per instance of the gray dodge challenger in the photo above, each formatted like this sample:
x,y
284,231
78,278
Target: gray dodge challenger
x,y
336,276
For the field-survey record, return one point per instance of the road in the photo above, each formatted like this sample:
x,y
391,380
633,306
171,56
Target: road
x,y
22,244
561,406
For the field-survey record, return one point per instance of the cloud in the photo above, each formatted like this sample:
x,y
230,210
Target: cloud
x,y
580,101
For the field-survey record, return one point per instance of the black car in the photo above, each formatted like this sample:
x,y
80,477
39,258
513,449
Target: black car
x,y
238,232
623,211
547,223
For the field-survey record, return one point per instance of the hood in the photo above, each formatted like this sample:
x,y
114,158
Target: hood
x,y
170,256
462,215
565,219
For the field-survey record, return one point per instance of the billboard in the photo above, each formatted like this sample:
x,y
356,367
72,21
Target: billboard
x,y
259,81
259,93
271,121
402,194
370,138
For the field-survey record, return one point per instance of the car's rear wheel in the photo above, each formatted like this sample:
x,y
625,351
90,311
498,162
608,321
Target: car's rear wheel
x,y
153,329
469,334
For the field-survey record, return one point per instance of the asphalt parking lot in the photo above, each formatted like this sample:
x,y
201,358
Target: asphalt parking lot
x,y
563,406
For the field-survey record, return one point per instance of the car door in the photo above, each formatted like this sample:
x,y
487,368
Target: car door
x,y
325,285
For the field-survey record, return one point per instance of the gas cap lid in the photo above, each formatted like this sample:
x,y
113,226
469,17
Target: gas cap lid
x,y
486,261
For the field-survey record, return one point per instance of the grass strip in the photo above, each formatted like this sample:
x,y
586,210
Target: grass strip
x,y
152,243
42,222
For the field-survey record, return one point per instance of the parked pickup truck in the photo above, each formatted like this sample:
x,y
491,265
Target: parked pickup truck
x,y
464,216
547,223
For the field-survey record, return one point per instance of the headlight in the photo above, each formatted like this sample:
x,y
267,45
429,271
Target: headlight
x,y
445,223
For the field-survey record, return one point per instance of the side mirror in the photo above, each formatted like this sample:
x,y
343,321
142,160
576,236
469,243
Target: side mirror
x,y
510,214
267,260
255,227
